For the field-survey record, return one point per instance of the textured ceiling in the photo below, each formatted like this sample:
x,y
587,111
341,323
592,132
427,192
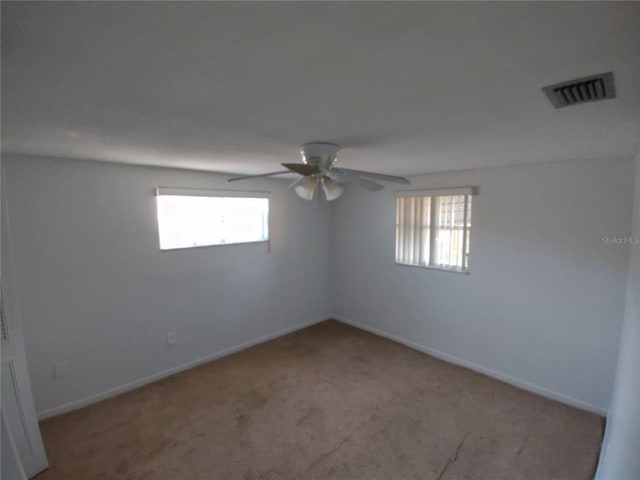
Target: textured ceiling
x,y
236,87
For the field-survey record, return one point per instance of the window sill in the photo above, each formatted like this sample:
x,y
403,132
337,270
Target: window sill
x,y
431,267
252,242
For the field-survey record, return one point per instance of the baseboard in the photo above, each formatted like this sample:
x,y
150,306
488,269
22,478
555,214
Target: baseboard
x,y
112,392
542,391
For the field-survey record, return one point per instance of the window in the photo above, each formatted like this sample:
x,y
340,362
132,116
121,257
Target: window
x,y
197,218
432,228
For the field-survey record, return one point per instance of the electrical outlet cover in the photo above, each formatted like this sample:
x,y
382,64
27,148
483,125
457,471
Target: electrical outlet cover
x,y
60,370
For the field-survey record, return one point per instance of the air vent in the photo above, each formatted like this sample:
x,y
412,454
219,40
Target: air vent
x,y
581,90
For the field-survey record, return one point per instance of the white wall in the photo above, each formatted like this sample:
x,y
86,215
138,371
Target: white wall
x,y
95,291
543,304
620,456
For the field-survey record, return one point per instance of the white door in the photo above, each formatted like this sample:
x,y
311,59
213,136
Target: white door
x,y
18,409
10,467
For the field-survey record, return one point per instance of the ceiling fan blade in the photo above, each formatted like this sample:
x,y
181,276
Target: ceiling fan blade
x,y
246,177
302,168
296,182
345,177
375,176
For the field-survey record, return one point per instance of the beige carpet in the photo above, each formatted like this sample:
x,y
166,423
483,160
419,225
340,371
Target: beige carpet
x,y
328,402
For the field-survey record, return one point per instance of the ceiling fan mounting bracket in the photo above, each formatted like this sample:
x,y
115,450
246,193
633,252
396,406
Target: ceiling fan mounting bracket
x,y
320,154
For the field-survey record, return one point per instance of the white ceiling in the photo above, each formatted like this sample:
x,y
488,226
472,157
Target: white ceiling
x,y
236,87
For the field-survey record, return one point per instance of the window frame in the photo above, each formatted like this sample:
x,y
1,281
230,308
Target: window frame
x,y
212,193
433,195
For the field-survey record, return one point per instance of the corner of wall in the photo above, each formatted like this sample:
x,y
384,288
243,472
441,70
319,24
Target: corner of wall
x,y
619,458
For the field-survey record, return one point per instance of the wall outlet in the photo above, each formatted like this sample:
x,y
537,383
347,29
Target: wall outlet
x,y
60,370
171,338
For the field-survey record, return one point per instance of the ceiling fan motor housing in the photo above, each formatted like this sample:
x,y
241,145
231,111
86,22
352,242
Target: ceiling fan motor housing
x,y
320,153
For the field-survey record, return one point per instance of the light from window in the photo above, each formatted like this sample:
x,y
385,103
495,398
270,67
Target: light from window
x,y
186,221
433,227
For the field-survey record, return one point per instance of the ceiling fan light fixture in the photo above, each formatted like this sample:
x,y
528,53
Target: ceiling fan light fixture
x,y
331,189
306,187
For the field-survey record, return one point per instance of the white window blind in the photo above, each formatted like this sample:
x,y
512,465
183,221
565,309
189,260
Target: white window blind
x,y
196,218
433,228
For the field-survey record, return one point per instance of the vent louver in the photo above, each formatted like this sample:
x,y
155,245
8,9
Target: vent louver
x,y
581,90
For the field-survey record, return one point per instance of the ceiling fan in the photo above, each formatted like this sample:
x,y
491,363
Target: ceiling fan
x,y
318,167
